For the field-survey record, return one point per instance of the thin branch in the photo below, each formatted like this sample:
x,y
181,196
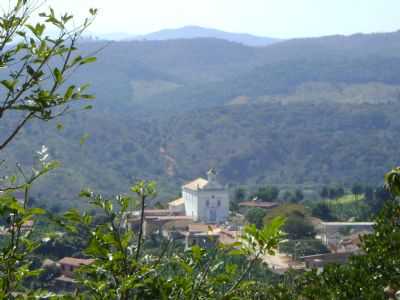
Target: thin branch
x,y
243,275
143,197
16,130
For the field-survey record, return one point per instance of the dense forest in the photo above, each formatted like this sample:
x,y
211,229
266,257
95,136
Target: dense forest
x,y
321,110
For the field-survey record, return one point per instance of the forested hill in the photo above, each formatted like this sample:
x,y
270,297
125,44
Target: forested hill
x,y
191,32
300,111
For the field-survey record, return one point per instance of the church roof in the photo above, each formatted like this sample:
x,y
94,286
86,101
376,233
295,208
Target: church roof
x,y
196,184
177,202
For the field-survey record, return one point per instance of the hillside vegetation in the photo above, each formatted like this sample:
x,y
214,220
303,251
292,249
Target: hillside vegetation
x,y
296,112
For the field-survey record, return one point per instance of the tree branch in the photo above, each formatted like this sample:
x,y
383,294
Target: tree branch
x,y
16,130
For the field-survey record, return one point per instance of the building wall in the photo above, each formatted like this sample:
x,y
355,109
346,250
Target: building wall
x,y
177,208
67,270
191,203
213,206
331,233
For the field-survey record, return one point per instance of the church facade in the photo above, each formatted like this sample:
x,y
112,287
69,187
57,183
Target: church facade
x,y
206,201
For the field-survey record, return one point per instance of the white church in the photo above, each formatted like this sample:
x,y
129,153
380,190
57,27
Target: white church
x,y
206,201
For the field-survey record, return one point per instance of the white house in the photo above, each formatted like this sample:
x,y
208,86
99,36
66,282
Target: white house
x,y
206,201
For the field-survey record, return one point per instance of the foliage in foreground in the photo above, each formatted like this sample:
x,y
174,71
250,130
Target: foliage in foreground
x,y
373,275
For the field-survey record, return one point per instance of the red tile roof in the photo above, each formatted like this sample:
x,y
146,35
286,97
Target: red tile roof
x,y
76,262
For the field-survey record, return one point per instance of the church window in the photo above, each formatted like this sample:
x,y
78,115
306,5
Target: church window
x,y
212,197
219,203
207,203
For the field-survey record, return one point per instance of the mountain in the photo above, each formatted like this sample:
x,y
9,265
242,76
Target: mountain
x,y
193,32
298,112
114,36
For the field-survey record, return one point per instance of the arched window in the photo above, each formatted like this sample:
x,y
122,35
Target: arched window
x,y
207,203
219,203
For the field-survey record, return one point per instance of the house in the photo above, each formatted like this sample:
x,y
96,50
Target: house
x,y
331,233
67,267
69,264
202,201
203,235
351,243
228,237
177,206
206,201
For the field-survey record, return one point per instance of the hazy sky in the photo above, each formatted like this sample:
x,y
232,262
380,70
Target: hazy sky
x,y
275,18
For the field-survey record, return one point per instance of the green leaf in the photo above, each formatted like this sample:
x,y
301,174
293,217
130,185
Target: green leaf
x,y
87,96
36,211
58,75
83,139
196,253
85,193
73,215
69,92
93,11
88,60
13,179
236,252
9,84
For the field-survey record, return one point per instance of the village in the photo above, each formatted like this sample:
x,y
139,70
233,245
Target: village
x,y
202,217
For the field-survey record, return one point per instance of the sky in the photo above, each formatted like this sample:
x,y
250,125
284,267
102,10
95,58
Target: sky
x,y
272,18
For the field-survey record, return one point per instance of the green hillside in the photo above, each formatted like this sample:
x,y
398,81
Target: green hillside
x,y
302,111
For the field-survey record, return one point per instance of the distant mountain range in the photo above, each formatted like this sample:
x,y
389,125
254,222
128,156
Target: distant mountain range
x,y
192,32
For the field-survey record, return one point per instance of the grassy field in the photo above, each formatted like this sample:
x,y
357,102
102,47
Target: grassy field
x,y
346,199
348,208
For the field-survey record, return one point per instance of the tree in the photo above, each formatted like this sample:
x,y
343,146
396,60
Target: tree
x,y
378,199
369,194
36,59
339,191
256,216
238,196
298,227
37,66
287,196
268,193
193,274
324,193
378,266
357,189
298,196
322,211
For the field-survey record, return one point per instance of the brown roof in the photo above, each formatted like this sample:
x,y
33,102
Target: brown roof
x,y
151,212
258,204
174,218
158,212
196,184
177,202
231,233
200,227
72,261
228,236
